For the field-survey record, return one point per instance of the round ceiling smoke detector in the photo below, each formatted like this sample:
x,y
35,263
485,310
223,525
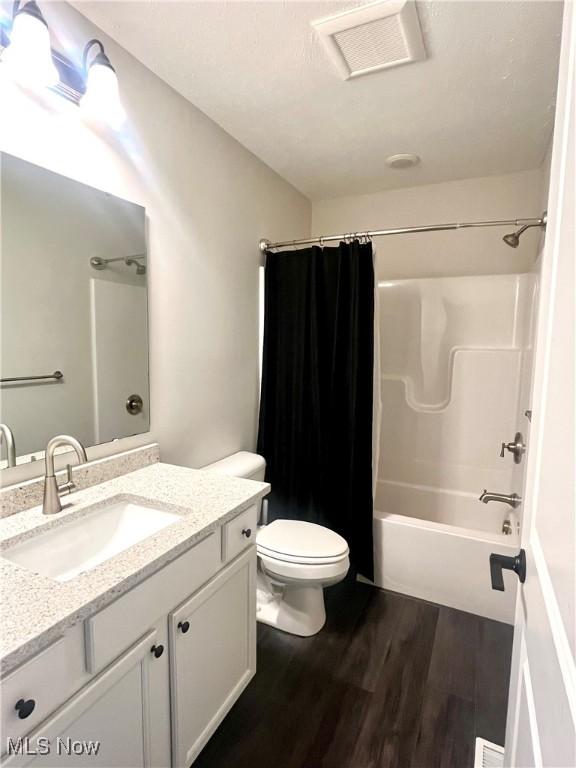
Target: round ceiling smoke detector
x,y
402,161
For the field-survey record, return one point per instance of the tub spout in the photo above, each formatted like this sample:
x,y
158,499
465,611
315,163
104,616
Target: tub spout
x,y
507,498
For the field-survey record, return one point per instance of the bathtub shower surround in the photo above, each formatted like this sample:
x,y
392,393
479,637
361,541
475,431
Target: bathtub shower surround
x,y
452,362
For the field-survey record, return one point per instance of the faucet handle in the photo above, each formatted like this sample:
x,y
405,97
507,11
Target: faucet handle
x,y
516,448
69,485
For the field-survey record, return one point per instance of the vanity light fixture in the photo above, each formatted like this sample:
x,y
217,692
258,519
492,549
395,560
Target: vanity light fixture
x,y
28,57
101,99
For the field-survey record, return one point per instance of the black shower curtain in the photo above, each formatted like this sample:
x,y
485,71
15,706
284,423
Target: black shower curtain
x,y
315,427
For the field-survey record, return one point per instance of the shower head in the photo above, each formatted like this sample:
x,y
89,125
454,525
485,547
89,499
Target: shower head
x,y
513,238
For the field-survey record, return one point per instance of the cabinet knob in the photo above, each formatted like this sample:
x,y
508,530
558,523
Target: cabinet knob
x,y
157,650
184,626
247,532
25,707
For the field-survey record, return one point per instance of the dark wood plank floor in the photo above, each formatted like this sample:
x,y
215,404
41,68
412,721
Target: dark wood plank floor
x,y
389,682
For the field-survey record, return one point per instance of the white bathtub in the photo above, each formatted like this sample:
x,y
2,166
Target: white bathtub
x,y
435,544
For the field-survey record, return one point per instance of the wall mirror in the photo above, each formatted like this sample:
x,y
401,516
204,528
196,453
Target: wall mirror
x,y
74,335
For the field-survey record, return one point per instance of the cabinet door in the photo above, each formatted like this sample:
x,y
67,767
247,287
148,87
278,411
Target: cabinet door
x,y
109,723
212,655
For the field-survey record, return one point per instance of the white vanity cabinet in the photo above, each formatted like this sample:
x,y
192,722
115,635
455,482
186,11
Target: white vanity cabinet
x,y
152,675
115,720
212,655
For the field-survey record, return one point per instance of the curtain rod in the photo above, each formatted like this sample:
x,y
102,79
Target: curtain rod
x,y
266,245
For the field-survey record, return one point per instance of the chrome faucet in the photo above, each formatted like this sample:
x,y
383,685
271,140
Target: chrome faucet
x,y
52,490
507,498
8,435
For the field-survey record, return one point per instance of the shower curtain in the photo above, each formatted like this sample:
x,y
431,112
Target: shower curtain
x,y
315,427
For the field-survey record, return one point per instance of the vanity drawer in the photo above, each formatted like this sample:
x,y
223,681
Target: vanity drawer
x,y
116,627
42,684
239,533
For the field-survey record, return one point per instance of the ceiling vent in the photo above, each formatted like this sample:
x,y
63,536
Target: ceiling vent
x,y
372,37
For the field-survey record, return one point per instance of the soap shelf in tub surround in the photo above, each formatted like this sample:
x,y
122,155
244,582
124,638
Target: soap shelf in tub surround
x,y
38,610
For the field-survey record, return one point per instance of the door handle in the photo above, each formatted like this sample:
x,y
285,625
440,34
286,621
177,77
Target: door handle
x,y
500,562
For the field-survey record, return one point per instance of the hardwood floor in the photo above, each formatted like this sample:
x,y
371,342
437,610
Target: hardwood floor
x,y
391,681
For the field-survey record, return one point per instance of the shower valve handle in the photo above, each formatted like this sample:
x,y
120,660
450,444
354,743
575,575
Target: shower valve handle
x,y
517,448
500,562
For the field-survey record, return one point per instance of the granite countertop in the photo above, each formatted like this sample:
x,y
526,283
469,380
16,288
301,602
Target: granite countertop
x,y
36,609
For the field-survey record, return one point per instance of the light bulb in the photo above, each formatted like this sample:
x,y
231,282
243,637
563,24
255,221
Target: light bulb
x,y
28,58
101,100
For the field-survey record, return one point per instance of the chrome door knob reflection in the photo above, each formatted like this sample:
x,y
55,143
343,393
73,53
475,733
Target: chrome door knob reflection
x,y
134,404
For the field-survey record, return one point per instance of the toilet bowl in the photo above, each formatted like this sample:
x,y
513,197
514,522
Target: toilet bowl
x,y
296,560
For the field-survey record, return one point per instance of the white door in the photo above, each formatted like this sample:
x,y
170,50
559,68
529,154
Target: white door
x,y
212,655
541,726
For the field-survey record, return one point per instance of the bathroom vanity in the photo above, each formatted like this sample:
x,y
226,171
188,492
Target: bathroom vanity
x,y
144,652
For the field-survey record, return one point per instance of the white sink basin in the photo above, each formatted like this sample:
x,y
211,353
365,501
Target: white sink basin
x,y
72,548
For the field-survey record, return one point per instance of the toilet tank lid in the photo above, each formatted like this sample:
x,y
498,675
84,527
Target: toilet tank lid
x,y
241,464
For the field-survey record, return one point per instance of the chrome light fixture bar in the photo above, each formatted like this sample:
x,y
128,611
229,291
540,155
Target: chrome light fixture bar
x,y
70,84
26,51
28,56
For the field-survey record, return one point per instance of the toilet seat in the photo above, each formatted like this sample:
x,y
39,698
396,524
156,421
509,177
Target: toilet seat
x,y
263,551
298,551
296,541
315,573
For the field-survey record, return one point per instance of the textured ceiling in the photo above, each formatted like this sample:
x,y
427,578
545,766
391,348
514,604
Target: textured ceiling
x,y
481,104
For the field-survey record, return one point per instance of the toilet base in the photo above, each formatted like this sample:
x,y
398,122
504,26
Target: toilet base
x,y
298,610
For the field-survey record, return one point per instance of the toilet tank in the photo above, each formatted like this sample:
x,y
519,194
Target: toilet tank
x,y
252,466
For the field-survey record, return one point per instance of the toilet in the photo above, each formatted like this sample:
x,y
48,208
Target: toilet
x,y
296,560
